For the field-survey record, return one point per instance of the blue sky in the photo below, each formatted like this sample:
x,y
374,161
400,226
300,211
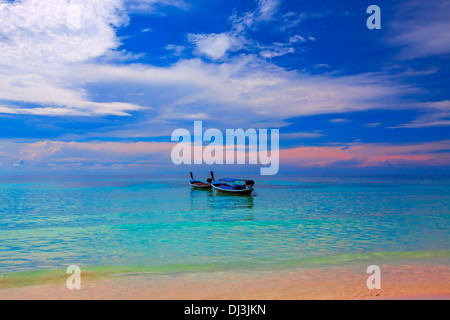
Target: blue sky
x,y
105,97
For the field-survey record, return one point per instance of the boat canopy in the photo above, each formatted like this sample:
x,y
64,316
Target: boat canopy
x,y
231,180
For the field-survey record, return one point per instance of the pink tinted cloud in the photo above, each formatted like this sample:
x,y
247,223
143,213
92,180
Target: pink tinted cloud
x,y
131,148
45,152
369,155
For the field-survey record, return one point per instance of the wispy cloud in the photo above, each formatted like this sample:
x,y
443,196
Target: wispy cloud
x,y
422,29
339,120
51,155
215,46
152,6
441,119
264,12
301,135
42,153
276,52
245,89
373,124
437,114
266,9
176,50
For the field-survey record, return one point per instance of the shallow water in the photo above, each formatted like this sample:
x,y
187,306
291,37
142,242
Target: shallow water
x,y
54,222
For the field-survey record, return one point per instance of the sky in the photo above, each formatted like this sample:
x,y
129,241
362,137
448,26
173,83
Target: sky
x,y
103,94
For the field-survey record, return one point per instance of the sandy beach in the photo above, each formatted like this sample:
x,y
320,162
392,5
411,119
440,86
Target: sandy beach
x,y
398,282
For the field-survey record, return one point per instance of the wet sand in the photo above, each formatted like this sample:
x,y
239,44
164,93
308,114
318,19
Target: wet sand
x,y
397,282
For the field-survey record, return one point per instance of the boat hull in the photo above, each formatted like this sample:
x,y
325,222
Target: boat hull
x,y
200,186
246,191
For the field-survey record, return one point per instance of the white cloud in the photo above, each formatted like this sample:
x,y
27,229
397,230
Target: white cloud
x,y
46,67
278,49
247,89
215,46
122,55
276,52
41,53
297,38
36,33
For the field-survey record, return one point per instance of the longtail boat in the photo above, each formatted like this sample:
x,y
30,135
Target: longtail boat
x,y
200,184
232,185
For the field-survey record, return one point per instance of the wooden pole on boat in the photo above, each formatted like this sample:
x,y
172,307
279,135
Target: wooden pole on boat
x,y
212,175
192,177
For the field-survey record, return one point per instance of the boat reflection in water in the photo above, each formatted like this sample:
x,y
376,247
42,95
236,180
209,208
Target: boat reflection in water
x,y
207,200
234,200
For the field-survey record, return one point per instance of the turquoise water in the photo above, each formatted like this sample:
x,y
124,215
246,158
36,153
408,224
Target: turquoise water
x,y
54,222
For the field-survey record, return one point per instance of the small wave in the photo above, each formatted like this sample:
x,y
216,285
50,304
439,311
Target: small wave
x,y
58,276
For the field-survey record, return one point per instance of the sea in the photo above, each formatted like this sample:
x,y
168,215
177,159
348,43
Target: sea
x,y
160,224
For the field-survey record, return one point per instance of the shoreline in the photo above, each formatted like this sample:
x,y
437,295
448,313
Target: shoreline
x,y
404,282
